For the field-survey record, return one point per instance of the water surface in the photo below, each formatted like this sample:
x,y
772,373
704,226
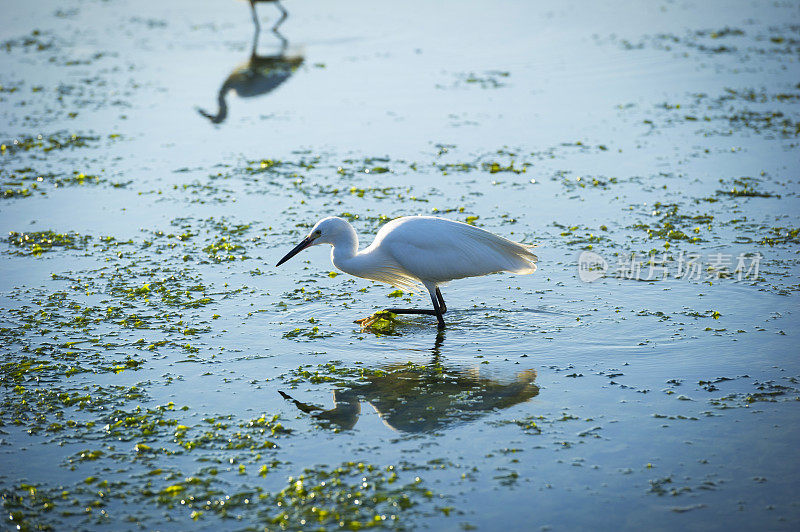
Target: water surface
x,y
146,334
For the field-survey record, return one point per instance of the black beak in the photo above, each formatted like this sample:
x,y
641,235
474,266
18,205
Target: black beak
x,y
307,241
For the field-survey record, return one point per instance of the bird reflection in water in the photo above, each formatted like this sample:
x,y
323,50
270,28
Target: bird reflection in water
x,y
262,73
416,398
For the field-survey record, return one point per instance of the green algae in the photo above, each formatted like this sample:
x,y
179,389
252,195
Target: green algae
x,y
742,188
45,144
731,112
781,235
673,225
581,182
583,237
306,334
39,242
489,79
383,321
746,46
17,192
37,41
351,496
495,168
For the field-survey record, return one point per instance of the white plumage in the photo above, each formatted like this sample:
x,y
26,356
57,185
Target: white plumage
x,y
420,250
437,250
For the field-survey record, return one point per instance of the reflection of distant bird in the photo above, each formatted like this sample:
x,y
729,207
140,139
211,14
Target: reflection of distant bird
x,y
261,74
255,15
413,398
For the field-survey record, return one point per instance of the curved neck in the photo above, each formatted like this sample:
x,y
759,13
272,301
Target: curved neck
x,y
223,107
345,249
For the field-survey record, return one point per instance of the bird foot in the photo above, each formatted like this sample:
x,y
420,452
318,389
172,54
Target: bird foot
x,y
383,322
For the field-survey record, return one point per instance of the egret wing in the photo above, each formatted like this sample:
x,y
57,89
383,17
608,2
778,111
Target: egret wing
x,y
438,250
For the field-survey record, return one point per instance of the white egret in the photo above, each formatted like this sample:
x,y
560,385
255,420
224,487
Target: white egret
x,y
419,250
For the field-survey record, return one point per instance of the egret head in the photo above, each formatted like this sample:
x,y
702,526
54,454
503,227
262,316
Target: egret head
x,y
326,231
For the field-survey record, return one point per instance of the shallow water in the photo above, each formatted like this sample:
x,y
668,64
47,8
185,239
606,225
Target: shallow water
x,y
146,333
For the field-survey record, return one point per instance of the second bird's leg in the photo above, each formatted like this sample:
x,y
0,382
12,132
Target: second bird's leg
x,y
284,15
255,15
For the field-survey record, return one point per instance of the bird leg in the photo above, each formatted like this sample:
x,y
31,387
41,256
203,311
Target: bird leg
x,y
284,15
442,306
425,311
255,15
439,308
435,300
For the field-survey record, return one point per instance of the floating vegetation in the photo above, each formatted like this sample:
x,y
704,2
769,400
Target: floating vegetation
x,y
767,391
778,43
551,427
36,41
19,192
744,187
45,144
494,168
572,183
10,89
781,235
224,250
762,113
26,181
446,168
39,242
382,322
307,334
351,496
488,79
672,225
584,237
